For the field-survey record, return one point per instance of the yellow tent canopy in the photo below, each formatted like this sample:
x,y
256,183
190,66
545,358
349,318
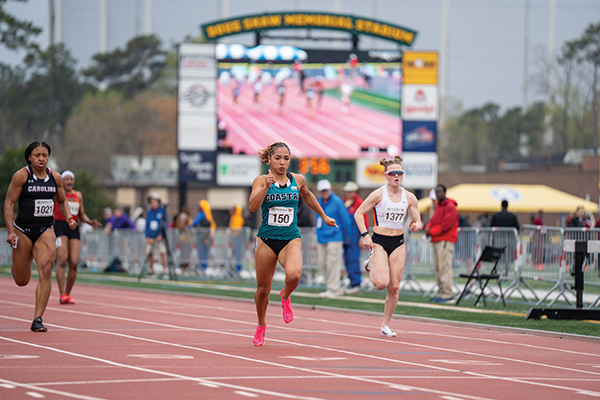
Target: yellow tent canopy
x,y
521,199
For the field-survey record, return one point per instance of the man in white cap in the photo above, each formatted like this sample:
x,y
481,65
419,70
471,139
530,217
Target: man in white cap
x,y
331,238
156,219
351,247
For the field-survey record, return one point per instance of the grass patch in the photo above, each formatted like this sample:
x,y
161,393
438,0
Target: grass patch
x,y
410,303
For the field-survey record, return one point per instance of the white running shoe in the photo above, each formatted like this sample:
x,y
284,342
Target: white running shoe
x,y
386,331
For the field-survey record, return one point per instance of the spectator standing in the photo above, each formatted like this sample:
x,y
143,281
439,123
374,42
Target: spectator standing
x,y
443,231
538,219
120,221
236,233
204,220
139,219
352,247
330,239
156,220
577,221
505,218
183,223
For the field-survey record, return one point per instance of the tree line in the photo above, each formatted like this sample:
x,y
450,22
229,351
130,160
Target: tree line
x,y
124,103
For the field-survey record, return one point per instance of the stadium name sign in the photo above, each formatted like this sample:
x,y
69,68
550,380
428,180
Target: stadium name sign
x,y
309,20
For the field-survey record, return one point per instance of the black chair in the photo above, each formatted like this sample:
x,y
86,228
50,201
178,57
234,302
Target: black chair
x,y
490,256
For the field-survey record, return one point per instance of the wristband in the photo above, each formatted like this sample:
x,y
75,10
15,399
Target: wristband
x,y
72,218
364,234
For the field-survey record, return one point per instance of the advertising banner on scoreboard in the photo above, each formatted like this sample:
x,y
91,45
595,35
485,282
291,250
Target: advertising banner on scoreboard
x,y
420,170
419,136
197,166
237,170
196,105
419,102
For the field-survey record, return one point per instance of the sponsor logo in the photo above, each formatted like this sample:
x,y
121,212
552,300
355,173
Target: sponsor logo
x,y
420,135
197,95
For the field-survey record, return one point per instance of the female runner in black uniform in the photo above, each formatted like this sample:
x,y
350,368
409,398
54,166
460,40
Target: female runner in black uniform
x,y
31,234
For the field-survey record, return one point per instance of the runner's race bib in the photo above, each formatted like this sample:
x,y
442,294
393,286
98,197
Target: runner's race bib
x,y
43,208
394,214
74,207
281,216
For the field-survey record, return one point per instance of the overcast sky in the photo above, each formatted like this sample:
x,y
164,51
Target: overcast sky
x,y
485,44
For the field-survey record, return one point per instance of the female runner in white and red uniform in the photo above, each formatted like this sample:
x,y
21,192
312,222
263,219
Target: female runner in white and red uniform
x,y
31,235
68,241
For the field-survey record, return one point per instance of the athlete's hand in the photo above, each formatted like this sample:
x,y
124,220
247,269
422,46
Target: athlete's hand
x,y
11,239
269,179
72,222
415,226
366,242
95,223
330,221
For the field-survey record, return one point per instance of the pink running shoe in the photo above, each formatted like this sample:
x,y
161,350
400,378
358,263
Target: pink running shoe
x,y
288,313
259,336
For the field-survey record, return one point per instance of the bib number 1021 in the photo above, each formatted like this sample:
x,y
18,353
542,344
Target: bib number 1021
x,y
43,208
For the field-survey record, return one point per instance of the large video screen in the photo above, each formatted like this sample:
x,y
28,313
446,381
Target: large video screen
x,y
322,103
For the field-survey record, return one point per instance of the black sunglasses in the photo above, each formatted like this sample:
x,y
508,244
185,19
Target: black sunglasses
x,y
396,172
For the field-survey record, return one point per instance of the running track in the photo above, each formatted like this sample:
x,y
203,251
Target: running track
x,y
123,344
316,132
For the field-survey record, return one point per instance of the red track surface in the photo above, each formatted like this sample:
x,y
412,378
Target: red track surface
x,y
124,344
310,132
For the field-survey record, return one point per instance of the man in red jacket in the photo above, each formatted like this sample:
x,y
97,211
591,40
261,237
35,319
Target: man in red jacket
x,y
443,230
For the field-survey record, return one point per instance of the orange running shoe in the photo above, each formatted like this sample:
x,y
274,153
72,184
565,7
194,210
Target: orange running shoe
x,y
288,313
66,299
259,335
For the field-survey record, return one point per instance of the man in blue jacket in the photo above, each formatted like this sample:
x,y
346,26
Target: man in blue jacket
x,y
330,246
156,220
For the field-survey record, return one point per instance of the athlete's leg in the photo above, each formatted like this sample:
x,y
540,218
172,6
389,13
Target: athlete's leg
x,y
265,264
74,255
21,259
44,253
290,259
380,270
62,257
396,262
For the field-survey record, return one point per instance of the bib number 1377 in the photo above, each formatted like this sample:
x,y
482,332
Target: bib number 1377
x,y
281,216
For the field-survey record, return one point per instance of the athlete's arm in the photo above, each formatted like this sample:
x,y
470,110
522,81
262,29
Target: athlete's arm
x,y
359,216
12,196
260,187
311,200
61,199
83,216
413,206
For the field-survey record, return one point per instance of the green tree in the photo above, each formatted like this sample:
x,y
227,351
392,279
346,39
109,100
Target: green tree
x,y
36,99
16,34
130,70
11,161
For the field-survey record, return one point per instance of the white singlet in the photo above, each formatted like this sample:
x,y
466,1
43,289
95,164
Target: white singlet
x,y
388,214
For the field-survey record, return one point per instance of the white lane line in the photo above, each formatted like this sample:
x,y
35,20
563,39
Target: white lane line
x,y
467,362
15,357
246,394
35,395
429,347
387,384
6,383
151,371
353,336
160,356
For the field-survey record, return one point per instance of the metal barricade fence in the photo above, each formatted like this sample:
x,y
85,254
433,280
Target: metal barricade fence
x,y
5,249
542,252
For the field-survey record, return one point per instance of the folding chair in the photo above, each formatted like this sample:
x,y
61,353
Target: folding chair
x,y
490,255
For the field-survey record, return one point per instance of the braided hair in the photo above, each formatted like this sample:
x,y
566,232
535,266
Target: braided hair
x,y
32,146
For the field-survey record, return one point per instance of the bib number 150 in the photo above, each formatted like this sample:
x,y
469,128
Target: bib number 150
x,y
281,216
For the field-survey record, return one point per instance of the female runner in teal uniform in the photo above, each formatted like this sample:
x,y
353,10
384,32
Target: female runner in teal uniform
x,y
278,239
